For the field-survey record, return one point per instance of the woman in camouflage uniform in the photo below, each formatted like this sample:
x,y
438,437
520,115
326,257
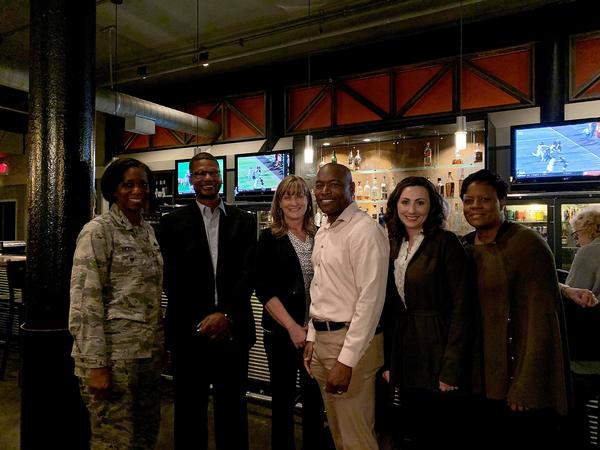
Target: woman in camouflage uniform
x,y
115,316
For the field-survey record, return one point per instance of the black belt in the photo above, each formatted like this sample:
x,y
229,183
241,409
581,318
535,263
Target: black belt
x,y
325,325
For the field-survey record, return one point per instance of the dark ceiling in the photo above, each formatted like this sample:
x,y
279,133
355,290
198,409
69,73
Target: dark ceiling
x,y
164,44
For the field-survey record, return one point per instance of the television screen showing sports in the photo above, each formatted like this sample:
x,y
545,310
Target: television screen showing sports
x,y
568,151
184,188
261,173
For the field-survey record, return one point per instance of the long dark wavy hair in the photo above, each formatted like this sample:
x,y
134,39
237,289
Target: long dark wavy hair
x,y
435,219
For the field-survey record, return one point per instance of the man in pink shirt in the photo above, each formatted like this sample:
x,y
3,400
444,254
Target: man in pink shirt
x,y
344,349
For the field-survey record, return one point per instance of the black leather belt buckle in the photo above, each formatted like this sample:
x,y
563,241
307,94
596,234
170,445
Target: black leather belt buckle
x,y
326,325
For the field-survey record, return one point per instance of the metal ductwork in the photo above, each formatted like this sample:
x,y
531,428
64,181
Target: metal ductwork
x,y
124,105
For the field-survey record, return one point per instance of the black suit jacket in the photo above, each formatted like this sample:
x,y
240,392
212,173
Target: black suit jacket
x,y
278,274
188,278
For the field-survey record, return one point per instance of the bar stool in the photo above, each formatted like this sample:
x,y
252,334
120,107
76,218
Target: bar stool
x,y
13,303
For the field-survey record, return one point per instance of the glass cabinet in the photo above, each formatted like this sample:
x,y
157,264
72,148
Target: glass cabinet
x,y
378,161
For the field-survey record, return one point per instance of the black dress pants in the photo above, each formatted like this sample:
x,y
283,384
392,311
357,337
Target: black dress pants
x,y
285,362
225,366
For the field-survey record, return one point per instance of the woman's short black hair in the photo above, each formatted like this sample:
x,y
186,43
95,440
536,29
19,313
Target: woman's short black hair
x,y
435,219
113,175
485,176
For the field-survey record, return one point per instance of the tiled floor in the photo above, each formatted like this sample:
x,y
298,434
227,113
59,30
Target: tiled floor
x,y
259,417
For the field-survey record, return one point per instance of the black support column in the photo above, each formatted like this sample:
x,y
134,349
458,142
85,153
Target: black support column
x,y
551,74
61,147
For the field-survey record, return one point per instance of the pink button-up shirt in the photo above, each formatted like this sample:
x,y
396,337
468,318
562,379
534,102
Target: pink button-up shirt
x,y
350,260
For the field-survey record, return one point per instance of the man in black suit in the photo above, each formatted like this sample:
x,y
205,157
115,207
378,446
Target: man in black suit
x,y
208,249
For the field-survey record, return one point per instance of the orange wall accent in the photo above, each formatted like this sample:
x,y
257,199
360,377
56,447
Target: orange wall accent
x,y
438,99
587,59
408,82
139,142
478,93
319,117
163,138
351,111
237,128
594,90
299,99
201,109
375,88
253,107
513,68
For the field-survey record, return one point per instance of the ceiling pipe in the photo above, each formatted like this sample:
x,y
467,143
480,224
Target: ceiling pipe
x,y
123,105
283,44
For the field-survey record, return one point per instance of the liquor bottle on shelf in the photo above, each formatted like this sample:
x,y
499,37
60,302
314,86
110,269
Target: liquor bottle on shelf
x,y
381,216
539,215
392,185
449,186
461,180
367,190
359,191
510,214
374,190
357,160
374,213
323,162
333,157
427,155
384,189
478,154
457,158
318,217
350,160
440,186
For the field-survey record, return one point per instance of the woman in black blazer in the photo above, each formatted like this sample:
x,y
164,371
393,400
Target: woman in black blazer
x,y
428,313
284,272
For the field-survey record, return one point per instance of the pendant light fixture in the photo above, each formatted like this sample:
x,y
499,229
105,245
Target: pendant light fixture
x,y
309,150
460,135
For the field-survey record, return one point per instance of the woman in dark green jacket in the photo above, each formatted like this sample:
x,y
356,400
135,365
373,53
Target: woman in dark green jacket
x,y
428,313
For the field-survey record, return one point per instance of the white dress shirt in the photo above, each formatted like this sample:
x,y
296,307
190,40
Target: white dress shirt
x,y
350,260
211,225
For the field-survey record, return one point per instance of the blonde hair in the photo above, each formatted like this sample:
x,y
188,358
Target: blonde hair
x,y
291,185
587,220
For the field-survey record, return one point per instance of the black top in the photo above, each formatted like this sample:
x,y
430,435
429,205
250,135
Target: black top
x,y
278,274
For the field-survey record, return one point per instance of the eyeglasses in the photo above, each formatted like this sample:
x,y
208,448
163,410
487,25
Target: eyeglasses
x,y
575,234
203,173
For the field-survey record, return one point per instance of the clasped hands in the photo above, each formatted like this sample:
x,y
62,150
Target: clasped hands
x,y
215,326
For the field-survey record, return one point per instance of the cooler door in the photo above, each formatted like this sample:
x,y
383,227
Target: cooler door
x,y
566,210
535,214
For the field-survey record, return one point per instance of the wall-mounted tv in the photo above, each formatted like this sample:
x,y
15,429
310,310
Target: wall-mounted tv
x,y
556,156
184,188
258,174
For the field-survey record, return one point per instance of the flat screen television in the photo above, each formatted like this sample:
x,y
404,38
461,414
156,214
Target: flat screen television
x,y
556,156
257,175
184,189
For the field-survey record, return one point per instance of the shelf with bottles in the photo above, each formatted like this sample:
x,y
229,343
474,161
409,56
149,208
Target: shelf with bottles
x,y
533,222
475,166
401,155
163,186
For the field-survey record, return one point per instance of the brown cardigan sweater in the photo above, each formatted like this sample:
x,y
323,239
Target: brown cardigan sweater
x,y
524,352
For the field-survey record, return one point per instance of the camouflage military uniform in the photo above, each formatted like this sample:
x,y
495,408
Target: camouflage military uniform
x,y
116,322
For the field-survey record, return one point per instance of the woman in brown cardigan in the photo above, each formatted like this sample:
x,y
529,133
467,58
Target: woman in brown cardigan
x,y
522,324
428,314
